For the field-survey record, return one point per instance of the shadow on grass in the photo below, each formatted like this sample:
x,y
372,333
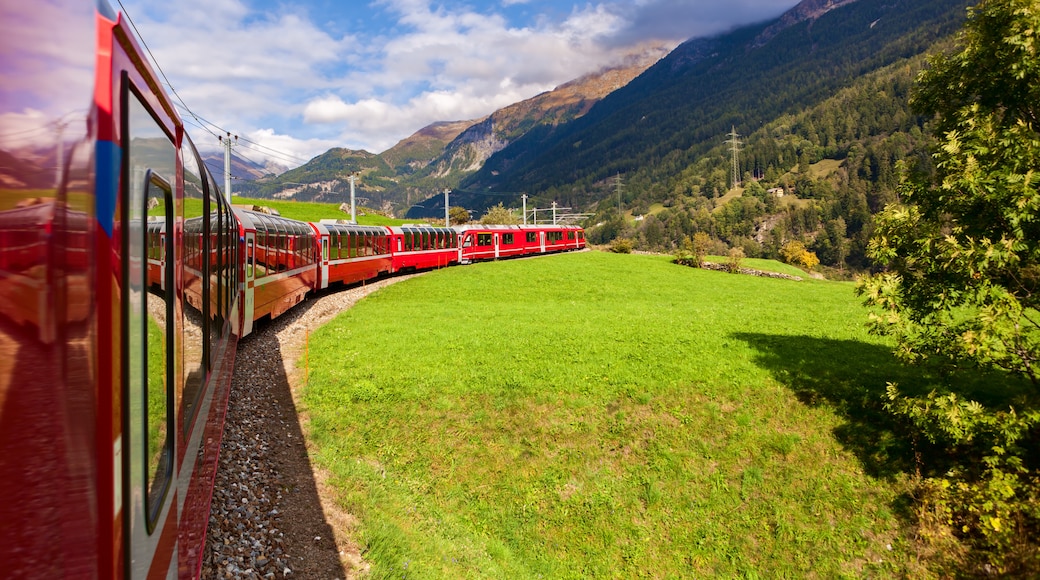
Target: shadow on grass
x,y
849,376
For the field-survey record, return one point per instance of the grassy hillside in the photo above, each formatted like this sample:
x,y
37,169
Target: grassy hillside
x,y
561,418
313,211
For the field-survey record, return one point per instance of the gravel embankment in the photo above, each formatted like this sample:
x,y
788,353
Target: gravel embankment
x,y
268,517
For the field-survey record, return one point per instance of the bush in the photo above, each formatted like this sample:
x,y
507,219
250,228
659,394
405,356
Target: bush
x,y
984,487
736,257
622,246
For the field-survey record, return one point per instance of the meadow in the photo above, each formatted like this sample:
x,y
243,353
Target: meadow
x,y
315,211
611,416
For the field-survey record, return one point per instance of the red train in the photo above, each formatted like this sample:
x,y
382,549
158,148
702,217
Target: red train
x,y
286,260
126,282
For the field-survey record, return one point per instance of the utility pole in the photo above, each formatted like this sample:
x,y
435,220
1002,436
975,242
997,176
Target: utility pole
x,y
554,212
619,186
227,164
353,208
735,143
447,217
524,197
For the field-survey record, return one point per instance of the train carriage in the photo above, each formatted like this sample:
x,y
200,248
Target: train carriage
x,y
113,392
491,242
422,247
279,267
351,253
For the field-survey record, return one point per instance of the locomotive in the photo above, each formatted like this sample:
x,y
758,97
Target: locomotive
x,y
126,283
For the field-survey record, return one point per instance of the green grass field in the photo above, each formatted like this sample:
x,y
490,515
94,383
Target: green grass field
x,y
607,415
312,212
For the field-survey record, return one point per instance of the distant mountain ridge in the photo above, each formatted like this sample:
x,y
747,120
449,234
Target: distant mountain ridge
x,y
442,154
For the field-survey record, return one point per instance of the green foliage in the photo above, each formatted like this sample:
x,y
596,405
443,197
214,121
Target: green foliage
x,y
458,215
963,249
500,215
962,252
693,250
607,230
621,246
990,496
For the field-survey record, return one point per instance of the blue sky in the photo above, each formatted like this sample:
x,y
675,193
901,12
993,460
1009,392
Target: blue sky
x,y
301,76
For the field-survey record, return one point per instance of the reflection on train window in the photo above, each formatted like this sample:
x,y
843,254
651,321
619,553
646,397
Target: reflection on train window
x,y
156,397
151,157
192,351
532,237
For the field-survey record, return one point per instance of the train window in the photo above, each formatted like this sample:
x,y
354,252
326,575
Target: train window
x,y
468,242
507,239
191,350
483,239
148,309
532,237
570,235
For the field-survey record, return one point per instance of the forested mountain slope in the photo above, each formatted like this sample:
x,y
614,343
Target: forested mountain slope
x,y
828,81
683,106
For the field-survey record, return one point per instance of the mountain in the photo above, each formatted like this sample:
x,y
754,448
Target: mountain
x,y
327,178
665,120
468,152
418,150
241,169
440,155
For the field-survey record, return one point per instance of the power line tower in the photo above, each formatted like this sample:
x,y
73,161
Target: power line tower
x,y
227,162
735,144
620,186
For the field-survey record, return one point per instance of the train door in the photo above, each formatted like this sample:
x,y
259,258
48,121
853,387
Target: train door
x,y
247,284
541,240
149,343
497,246
324,261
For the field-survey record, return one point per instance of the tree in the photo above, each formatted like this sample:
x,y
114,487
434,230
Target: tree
x,y
501,216
962,284
967,240
458,215
794,252
700,245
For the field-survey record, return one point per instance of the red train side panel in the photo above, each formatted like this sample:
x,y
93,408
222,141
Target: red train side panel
x,y
281,265
113,385
480,242
351,253
422,247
